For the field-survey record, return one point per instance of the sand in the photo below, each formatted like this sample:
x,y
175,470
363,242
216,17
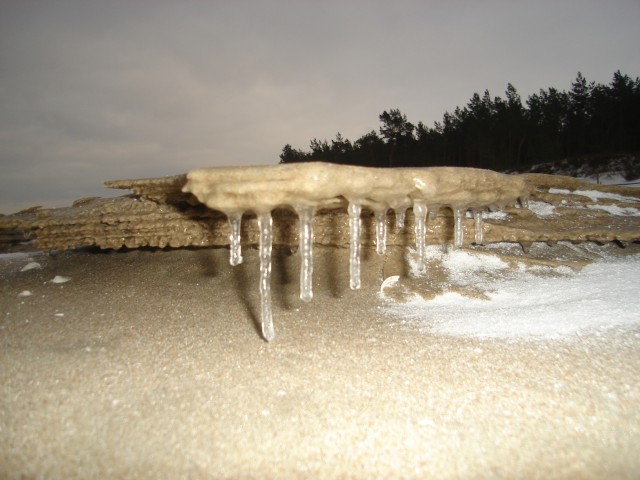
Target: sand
x,y
150,364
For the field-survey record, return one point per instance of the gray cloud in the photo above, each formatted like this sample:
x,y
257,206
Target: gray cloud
x,y
98,90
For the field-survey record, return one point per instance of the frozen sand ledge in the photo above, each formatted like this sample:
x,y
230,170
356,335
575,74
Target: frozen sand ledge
x,y
336,205
306,187
321,185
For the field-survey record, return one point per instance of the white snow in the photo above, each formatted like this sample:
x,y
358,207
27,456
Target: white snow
x,y
388,282
616,210
465,264
594,195
15,256
524,306
31,266
542,209
499,215
60,279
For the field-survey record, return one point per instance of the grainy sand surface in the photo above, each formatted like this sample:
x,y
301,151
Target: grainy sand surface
x,y
149,364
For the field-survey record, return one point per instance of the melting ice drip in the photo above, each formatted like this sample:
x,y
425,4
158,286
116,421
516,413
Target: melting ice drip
x,y
306,187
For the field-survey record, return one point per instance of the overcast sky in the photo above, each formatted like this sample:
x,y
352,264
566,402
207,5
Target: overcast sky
x,y
98,90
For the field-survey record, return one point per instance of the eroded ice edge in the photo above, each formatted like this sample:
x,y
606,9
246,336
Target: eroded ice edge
x,y
523,306
306,187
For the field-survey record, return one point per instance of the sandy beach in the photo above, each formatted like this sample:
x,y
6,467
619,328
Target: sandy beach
x,y
149,364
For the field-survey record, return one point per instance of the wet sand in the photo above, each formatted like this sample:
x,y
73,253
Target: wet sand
x,y
150,364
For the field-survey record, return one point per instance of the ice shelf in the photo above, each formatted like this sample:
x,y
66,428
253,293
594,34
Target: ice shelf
x,y
309,186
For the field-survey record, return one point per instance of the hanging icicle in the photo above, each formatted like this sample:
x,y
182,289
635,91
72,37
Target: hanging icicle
x,y
400,215
354,245
311,186
266,239
458,227
305,216
477,217
235,249
420,211
381,231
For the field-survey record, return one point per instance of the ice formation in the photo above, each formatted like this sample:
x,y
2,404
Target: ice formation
x,y
307,187
354,245
477,217
305,214
381,231
266,236
235,257
420,214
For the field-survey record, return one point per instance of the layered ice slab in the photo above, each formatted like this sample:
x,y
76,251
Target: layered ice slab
x,y
307,187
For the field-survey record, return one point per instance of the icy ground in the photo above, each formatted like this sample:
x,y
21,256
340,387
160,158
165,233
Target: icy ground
x,y
527,304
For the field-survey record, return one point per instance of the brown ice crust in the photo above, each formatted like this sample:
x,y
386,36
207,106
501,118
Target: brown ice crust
x,y
325,185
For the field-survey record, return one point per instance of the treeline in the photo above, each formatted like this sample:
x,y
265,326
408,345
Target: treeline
x,y
590,120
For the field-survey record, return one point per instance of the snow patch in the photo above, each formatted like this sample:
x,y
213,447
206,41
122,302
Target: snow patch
x,y
615,210
416,263
60,279
542,209
523,306
389,282
499,215
31,266
463,263
15,256
594,195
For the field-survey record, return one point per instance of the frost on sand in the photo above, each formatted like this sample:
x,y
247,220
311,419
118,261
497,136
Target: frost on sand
x,y
522,304
306,187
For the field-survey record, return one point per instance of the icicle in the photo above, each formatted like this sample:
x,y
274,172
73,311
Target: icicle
x,y
354,245
458,227
420,213
235,252
381,231
305,215
266,238
477,217
400,214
